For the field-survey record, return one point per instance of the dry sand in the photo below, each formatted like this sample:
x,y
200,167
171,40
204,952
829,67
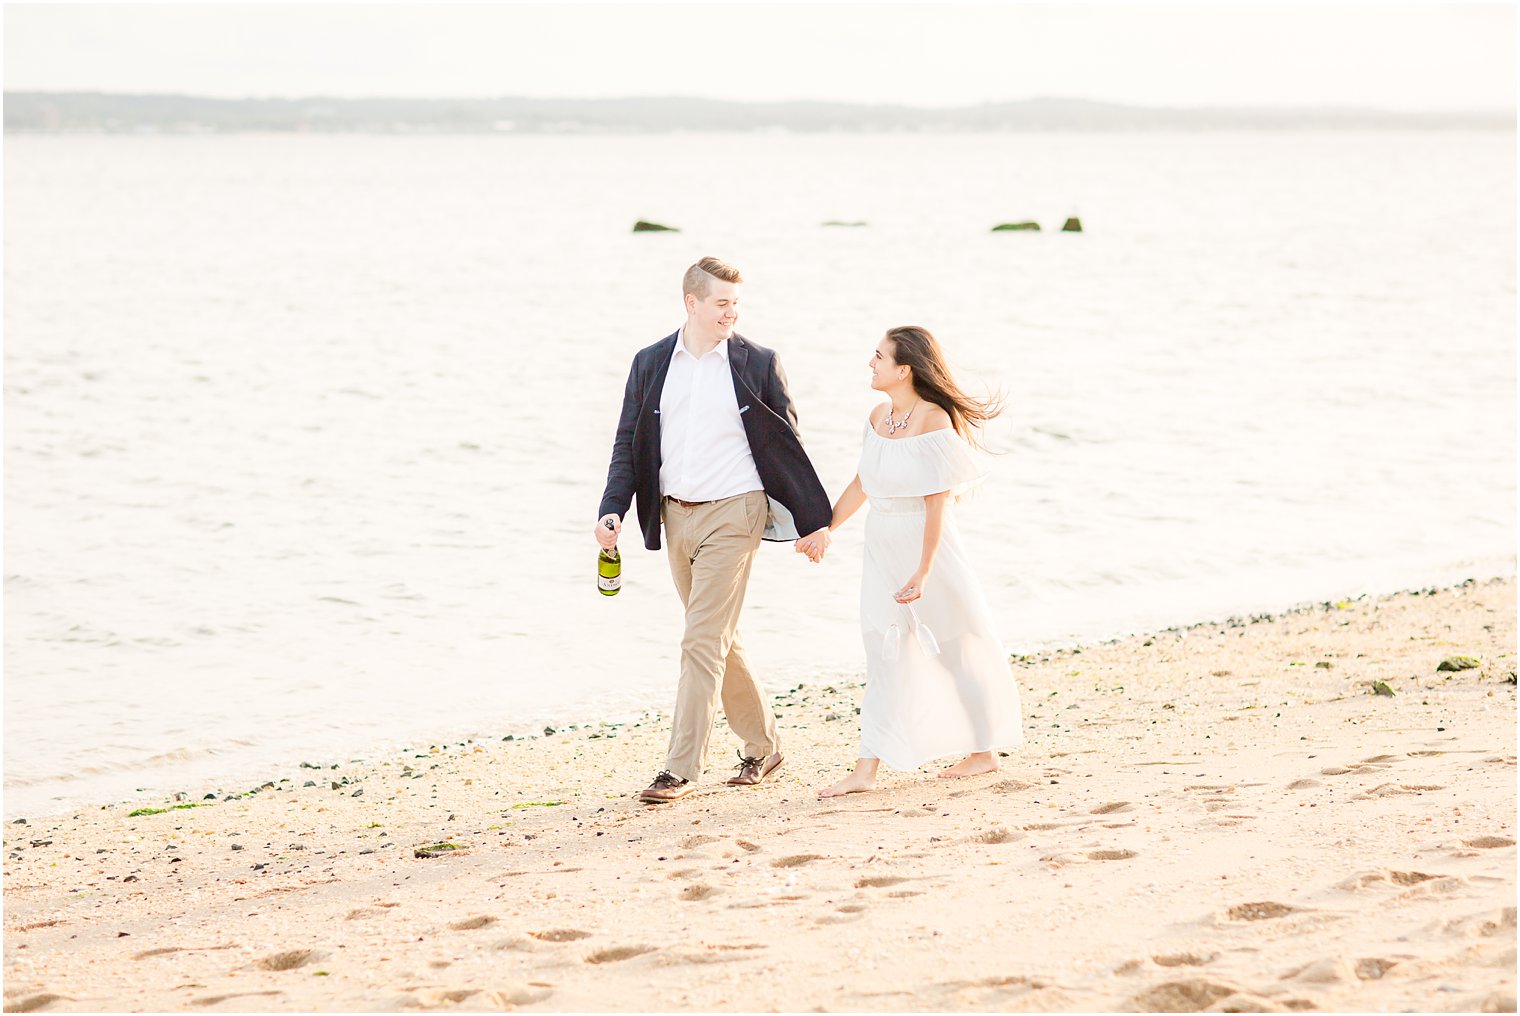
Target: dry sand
x,y
1224,817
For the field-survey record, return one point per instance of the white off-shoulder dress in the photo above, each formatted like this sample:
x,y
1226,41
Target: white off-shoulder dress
x,y
918,705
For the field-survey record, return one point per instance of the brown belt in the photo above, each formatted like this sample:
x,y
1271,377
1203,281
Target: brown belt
x,y
687,504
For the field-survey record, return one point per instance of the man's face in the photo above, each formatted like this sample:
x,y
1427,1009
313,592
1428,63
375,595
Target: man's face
x,y
718,312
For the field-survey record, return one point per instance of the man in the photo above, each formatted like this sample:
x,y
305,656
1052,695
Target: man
x,y
707,442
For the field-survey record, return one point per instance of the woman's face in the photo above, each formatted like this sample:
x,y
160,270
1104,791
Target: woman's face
x,y
884,369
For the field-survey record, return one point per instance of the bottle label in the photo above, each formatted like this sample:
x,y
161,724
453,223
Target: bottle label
x,y
609,583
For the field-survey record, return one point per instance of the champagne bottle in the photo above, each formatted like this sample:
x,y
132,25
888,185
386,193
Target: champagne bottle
x,y
609,569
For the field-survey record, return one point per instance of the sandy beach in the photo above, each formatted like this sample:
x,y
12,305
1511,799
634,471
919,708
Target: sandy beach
x,y
1228,816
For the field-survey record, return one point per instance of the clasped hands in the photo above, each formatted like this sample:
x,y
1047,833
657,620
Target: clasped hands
x,y
814,545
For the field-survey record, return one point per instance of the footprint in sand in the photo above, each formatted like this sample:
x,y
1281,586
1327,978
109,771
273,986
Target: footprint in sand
x,y
472,923
1110,855
1373,968
1264,911
1330,970
767,901
699,840
32,1003
1335,970
209,1000
1385,879
1489,842
1380,758
1395,790
1001,787
519,996
698,958
619,953
879,882
1112,807
795,860
747,845
1192,995
1187,959
434,999
288,960
1012,993
1486,924
698,892
1001,834
844,918
1216,797
903,894
560,935
179,949
1304,784
1360,767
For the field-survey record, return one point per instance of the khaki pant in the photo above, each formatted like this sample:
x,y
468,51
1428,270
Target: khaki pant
x,y
712,547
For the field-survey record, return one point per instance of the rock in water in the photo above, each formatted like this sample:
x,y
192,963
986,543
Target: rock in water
x,y
1016,227
653,227
1459,663
1073,225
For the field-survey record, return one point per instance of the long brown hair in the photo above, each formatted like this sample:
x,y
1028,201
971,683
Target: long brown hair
x,y
916,347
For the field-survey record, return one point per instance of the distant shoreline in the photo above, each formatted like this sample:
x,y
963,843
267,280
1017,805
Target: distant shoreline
x,y
29,112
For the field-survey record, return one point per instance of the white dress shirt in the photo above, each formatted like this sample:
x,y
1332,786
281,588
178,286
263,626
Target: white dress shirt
x,y
704,452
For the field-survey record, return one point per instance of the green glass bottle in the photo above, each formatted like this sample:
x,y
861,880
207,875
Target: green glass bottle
x,y
609,570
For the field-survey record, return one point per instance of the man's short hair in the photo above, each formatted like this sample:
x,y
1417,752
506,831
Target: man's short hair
x,y
698,278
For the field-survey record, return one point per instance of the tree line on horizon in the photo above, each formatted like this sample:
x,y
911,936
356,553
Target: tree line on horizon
x,y
103,112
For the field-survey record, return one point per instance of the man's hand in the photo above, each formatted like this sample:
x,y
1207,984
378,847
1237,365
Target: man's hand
x,y
607,536
815,545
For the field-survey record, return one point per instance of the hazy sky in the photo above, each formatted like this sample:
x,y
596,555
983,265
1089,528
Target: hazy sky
x,y
1392,56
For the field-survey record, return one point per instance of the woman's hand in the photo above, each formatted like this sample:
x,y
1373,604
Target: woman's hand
x,y
815,545
913,588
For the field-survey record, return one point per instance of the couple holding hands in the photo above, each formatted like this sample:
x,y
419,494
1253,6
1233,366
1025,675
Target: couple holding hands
x,y
707,444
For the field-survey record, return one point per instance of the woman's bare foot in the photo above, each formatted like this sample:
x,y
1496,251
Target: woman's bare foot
x,y
861,780
972,765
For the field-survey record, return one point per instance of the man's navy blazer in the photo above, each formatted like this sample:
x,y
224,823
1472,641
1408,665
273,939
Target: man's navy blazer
x,y
798,503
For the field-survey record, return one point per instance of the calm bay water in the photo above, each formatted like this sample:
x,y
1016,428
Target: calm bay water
x,y
305,435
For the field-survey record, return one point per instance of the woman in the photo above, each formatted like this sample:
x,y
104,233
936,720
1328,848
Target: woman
x,y
937,677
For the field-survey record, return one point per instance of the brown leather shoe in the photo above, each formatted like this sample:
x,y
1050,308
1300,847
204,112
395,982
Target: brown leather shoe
x,y
666,787
753,770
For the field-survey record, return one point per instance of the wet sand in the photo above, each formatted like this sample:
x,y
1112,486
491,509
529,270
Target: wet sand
x,y
1226,816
